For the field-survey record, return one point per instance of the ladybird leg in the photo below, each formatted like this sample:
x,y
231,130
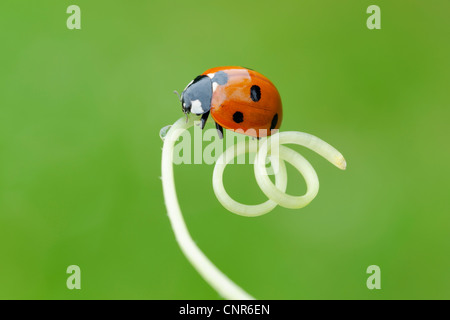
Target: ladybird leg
x,y
204,118
219,130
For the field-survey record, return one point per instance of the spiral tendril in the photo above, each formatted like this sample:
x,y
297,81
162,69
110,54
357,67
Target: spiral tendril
x,y
276,194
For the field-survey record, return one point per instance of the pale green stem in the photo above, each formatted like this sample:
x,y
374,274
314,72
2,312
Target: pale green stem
x,y
216,278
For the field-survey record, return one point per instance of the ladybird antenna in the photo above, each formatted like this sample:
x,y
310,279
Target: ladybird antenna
x,y
179,96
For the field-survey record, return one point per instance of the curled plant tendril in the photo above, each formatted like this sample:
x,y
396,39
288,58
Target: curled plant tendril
x,y
276,193
272,147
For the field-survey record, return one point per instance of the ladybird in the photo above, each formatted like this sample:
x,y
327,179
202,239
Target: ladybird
x,y
238,99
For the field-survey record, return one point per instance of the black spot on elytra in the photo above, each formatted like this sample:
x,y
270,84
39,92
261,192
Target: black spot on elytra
x,y
274,121
238,117
255,93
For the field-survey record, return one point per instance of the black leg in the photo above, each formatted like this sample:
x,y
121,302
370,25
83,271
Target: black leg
x,y
219,130
204,118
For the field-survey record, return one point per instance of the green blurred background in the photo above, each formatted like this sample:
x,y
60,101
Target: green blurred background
x,y
80,114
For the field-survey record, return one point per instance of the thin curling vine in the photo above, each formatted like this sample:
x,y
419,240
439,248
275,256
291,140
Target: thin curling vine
x,y
276,193
243,100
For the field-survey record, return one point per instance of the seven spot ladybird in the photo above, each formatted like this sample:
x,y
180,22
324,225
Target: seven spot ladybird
x,y
237,98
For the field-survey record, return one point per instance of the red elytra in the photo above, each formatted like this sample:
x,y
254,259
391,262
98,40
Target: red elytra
x,y
248,103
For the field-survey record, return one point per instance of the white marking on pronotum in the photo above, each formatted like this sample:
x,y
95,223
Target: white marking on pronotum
x,y
211,75
215,85
196,107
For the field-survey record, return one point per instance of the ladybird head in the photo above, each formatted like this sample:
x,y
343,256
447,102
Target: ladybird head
x,y
196,97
